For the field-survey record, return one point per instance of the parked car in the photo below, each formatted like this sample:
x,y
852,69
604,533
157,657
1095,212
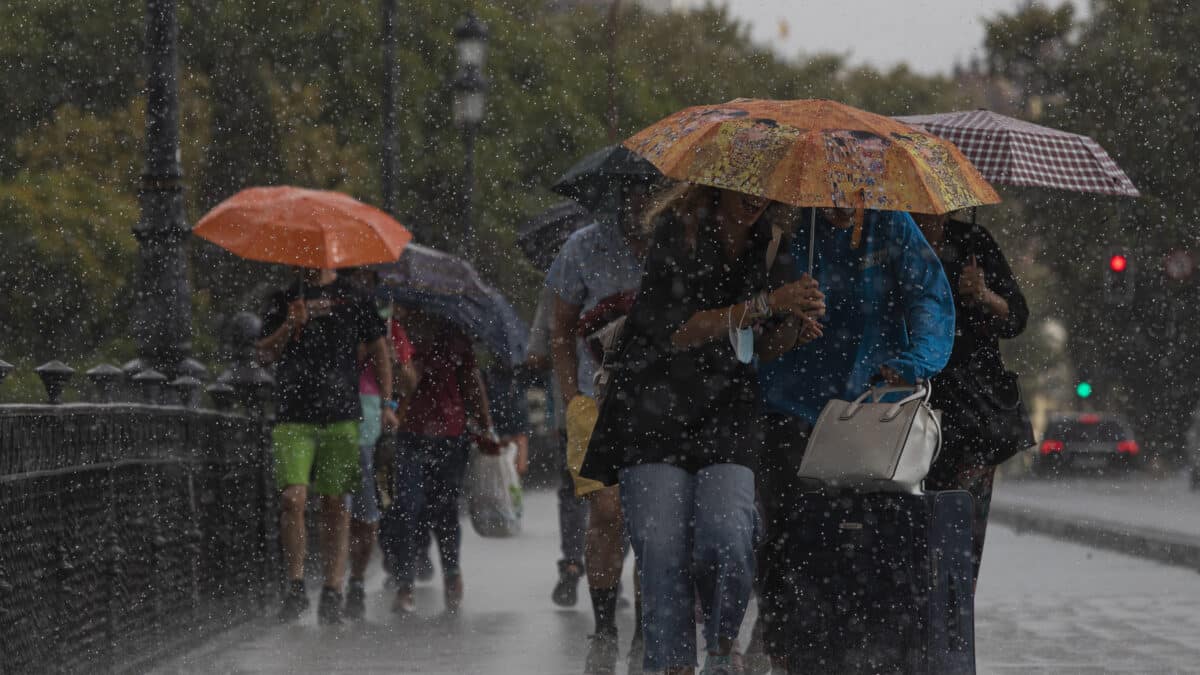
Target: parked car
x,y
1088,441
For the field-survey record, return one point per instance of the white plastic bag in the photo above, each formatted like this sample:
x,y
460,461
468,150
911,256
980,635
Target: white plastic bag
x,y
494,495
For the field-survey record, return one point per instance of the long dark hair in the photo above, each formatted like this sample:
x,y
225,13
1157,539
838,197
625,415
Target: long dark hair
x,y
690,206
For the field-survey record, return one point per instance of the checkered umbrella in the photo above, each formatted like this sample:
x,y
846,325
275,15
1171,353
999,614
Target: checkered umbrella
x,y
1013,152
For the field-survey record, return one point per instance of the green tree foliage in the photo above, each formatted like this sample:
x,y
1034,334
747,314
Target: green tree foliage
x,y
1126,76
287,91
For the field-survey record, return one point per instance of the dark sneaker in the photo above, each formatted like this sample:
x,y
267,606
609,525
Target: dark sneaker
x,y
294,604
356,600
453,592
329,609
424,567
602,655
566,591
637,654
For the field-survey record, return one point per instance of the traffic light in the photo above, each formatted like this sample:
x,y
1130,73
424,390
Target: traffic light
x,y
1083,390
1118,278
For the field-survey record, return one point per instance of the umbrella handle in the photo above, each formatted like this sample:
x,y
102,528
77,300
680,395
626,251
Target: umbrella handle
x,y
812,242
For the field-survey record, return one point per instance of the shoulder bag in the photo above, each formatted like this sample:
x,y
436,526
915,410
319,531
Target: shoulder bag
x,y
985,414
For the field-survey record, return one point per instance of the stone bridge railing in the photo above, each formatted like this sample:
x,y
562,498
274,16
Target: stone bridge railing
x,y
135,525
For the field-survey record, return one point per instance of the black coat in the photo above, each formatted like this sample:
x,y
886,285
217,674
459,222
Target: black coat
x,y
977,332
690,408
976,360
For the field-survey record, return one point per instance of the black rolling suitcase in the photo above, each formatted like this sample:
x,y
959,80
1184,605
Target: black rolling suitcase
x,y
877,583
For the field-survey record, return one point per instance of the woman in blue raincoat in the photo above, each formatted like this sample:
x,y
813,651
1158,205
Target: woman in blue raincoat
x,y
889,314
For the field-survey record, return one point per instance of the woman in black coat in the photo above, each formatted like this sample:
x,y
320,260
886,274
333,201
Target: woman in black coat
x,y
989,307
678,424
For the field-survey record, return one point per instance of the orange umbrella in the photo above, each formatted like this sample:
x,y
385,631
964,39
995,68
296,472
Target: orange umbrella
x,y
303,228
813,153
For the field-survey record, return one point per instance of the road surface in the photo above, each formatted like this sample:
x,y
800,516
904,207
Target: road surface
x,y
1043,607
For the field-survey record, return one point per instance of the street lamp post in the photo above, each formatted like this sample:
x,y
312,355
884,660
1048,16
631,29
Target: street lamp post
x,y
470,92
162,325
387,177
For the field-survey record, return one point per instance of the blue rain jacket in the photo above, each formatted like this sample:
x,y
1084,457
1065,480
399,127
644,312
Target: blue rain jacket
x,y
888,302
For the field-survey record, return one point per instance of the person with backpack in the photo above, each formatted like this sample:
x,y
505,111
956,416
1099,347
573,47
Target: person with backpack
x,y
677,424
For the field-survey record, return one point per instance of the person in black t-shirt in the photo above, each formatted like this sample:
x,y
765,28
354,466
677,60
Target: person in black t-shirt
x,y
313,332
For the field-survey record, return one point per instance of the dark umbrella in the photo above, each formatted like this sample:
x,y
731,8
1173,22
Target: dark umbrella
x,y
443,285
594,179
541,236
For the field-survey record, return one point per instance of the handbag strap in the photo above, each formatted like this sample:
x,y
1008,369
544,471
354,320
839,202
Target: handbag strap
x,y
922,390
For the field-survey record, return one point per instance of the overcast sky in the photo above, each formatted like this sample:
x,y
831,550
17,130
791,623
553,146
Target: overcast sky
x,y
928,34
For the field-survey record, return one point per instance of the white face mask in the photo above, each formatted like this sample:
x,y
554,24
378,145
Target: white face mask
x,y
741,339
744,348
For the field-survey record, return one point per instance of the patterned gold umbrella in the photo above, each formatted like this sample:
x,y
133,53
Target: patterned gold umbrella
x,y
813,153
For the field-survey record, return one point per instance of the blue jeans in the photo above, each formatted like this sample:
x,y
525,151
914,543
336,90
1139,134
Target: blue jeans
x,y
429,476
693,535
363,503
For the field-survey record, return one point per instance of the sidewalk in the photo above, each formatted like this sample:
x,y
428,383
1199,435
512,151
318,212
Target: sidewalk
x,y
1138,514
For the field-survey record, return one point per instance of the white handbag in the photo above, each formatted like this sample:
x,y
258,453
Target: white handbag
x,y
874,445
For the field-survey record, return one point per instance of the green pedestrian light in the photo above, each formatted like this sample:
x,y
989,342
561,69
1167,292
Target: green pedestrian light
x,y
1083,389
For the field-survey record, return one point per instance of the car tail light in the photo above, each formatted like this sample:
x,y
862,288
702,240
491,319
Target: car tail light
x,y
1050,446
1089,418
1128,447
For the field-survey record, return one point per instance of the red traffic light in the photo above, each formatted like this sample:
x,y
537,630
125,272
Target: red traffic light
x,y
1118,263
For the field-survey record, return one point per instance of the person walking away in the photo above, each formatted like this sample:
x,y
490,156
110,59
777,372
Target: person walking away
x,y
312,333
572,509
678,431
431,456
989,307
364,502
889,314
597,261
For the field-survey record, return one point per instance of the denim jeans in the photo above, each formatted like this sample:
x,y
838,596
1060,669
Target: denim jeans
x,y
428,481
693,535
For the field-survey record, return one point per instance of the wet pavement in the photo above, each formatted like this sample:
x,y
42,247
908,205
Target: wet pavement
x,y
1135,500
1043,607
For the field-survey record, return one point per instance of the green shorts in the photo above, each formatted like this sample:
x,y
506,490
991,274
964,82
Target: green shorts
x,y
326,455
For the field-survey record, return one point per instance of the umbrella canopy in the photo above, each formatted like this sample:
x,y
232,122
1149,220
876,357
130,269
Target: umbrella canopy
x,y
446,286
593,180
542,236
813,153
1014,152
303,228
